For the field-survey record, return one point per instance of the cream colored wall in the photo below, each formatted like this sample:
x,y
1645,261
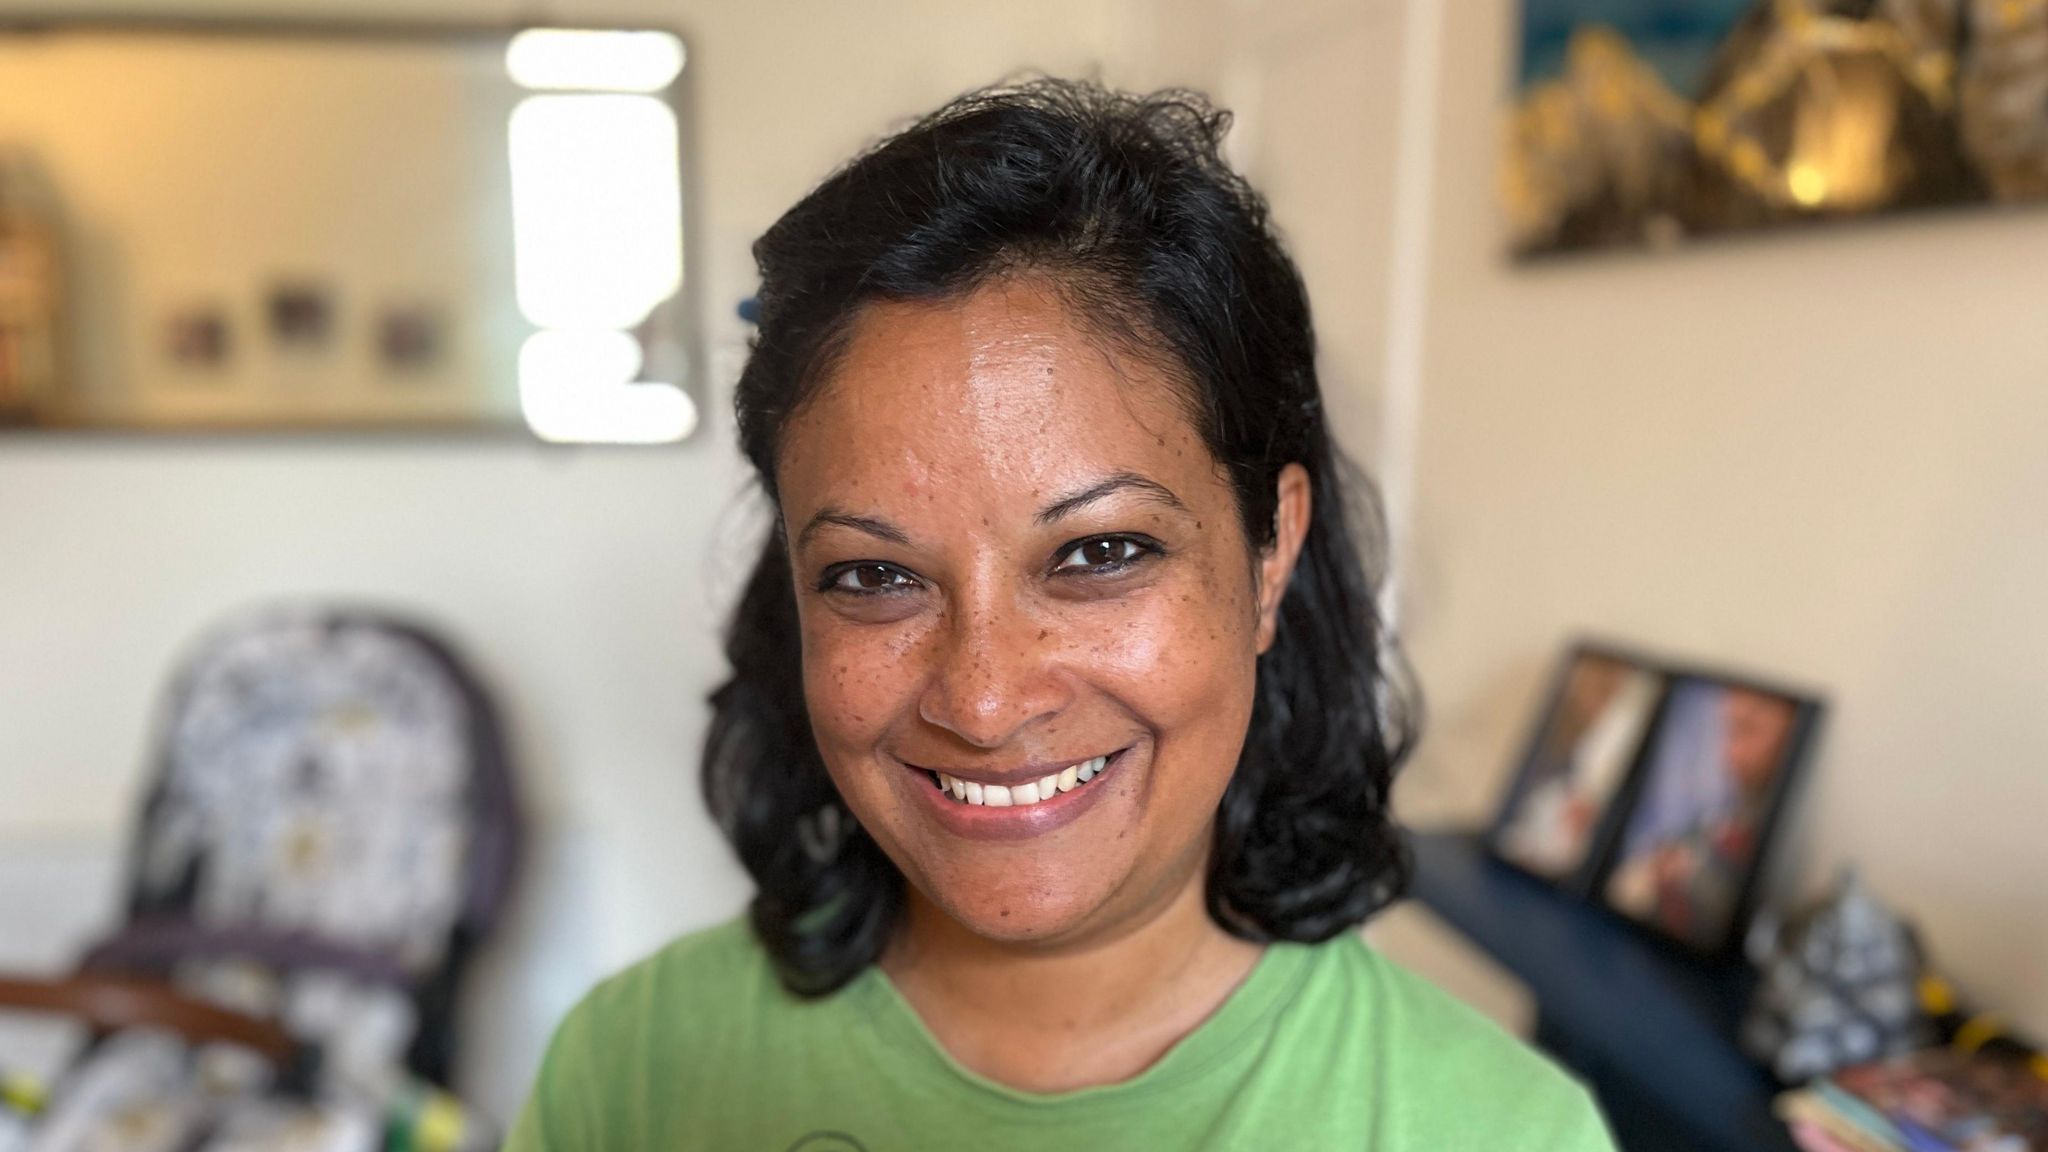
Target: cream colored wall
x,y
1313,88
1815,454
587,584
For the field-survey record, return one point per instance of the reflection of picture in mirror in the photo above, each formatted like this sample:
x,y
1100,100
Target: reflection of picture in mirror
x,y
1710,780
197,338
31,287
1578,761
301,315
409,339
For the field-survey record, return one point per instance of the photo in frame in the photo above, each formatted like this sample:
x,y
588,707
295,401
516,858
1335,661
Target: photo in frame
x,y
1561,810
1709,786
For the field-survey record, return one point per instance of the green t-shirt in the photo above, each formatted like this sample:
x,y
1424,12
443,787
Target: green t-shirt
x,y
1324,1046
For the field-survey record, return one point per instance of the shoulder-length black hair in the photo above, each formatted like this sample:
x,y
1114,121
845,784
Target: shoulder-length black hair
x,y
1125,206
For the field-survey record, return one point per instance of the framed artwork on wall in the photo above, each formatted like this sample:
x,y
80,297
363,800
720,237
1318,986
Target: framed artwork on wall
x,y
1653,122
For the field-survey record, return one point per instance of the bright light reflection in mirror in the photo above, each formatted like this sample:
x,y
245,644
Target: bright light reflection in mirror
x,y
594,60
597,231
578,387
596,209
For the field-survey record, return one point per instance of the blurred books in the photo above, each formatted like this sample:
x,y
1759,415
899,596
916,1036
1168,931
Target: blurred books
x,y
1938,1100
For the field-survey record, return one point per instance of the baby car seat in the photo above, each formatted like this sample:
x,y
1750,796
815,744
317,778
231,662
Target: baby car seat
x,y
329,833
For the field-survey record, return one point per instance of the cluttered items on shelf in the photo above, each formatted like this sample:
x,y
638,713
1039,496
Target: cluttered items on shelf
x,y
1934,1100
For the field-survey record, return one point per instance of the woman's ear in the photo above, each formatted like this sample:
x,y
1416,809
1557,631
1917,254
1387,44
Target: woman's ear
x,y
1276,563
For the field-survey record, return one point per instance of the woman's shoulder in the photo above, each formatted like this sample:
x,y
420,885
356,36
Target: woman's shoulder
x,y
720,965
666,1020
1405,1002
705,989
1443,1071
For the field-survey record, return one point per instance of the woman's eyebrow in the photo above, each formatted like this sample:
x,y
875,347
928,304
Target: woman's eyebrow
x,y
880,529
1065,506
1101,490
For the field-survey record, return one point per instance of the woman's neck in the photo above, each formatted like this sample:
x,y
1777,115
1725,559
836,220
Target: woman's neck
x,y
1056,1019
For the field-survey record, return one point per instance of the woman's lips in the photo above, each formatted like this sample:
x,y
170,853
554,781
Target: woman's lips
x,y
1003,812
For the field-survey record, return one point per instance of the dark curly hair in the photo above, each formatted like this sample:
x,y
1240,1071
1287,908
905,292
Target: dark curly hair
x,y
1125,206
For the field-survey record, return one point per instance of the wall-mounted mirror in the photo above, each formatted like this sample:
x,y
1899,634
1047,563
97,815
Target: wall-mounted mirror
x,y
225,227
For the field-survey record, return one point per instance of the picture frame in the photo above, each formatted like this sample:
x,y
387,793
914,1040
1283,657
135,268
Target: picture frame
x,y
1563,805
1702,806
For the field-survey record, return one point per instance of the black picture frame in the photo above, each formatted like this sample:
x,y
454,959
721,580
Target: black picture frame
x,y
1722,855
1563,805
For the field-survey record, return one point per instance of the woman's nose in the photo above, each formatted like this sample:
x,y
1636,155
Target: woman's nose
x,y
997,672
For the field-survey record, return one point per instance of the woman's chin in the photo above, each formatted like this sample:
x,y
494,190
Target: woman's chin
x,y
1021,913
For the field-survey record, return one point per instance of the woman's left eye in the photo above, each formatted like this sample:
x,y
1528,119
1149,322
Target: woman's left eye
x,y
1102,554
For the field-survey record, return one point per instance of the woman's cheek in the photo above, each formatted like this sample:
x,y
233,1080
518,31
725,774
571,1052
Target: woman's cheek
x,y
1174,654
852,679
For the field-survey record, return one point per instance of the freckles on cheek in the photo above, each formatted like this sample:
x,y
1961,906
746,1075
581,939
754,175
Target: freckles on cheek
x,y
853,686
1183,645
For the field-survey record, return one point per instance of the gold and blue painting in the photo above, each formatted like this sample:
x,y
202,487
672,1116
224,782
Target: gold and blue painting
x,y
1651,122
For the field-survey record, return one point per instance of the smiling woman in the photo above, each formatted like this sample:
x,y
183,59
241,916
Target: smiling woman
x,y
1060,730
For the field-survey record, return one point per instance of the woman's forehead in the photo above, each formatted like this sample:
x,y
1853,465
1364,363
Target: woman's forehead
x,y
999,387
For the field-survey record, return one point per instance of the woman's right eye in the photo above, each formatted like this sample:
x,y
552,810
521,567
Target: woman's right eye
x,y
866,579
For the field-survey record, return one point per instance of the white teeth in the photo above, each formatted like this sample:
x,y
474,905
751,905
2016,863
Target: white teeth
x,y
1022,795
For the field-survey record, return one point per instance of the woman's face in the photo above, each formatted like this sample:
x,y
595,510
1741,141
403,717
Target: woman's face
x,y
1016,563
